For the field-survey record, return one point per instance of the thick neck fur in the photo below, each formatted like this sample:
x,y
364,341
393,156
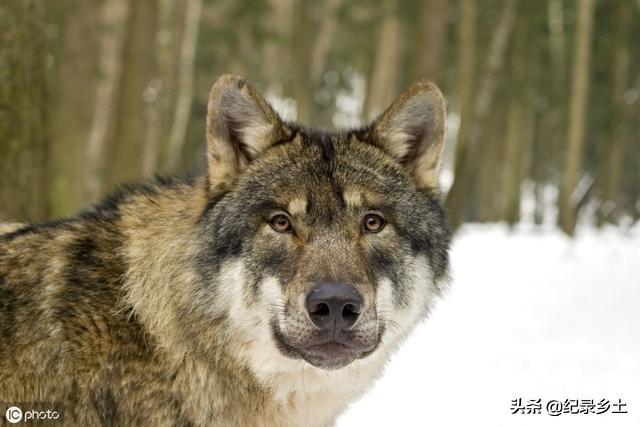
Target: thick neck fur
x,y
237,348
125,328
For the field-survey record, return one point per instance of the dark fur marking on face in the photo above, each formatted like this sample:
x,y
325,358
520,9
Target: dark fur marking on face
x,y
229,237
281,343
434,237
287,138
211,204
383,265
273,260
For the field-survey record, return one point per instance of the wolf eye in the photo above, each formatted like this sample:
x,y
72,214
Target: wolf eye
x,y
280,223
373,223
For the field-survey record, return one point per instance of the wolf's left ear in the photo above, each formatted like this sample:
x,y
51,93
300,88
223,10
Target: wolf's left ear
x,y
240,125
412,130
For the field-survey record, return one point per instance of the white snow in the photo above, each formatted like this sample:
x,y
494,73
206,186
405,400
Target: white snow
x,y
530,314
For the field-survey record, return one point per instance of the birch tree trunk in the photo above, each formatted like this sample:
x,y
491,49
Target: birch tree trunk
x,y
577,115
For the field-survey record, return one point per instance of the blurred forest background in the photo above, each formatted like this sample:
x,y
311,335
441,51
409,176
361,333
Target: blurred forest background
x,y
543,96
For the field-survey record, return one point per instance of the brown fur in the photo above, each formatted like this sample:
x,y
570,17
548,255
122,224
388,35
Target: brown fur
x,y
85,347
127,314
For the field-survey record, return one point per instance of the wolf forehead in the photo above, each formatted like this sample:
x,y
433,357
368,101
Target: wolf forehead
x,y
326,180
321,169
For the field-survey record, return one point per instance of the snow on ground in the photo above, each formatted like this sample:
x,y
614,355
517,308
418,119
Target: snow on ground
x,y
529,315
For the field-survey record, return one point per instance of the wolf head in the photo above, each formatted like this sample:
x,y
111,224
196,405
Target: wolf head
x,y
331,244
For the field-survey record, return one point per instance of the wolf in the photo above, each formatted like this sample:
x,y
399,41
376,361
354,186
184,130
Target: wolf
x,y
268,291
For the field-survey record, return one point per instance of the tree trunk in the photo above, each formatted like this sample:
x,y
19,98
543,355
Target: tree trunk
x,y
462,193
114,15
466,71
555,120
301,48
613,159
385,75
512,165
433,31
555,19
324,40
517,140
185,84
275,60
466,74
577,115
23,111
491,161
72,109
127,145
151,142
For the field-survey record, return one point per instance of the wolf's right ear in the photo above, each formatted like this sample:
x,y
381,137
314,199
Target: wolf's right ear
x,y
240,125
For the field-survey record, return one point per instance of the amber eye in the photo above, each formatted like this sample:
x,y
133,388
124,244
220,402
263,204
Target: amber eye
x,y
280,223
373,223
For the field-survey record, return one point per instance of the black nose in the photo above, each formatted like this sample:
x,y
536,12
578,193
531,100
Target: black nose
x,y
334,307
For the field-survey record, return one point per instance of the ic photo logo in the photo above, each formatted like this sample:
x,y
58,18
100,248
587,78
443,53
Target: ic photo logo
x,y
13,414
33,412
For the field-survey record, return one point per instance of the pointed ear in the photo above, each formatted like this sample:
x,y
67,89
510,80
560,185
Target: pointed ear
x,y
240,126
412,130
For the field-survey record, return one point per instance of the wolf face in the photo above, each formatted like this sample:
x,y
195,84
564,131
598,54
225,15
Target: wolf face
x,y
329,245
